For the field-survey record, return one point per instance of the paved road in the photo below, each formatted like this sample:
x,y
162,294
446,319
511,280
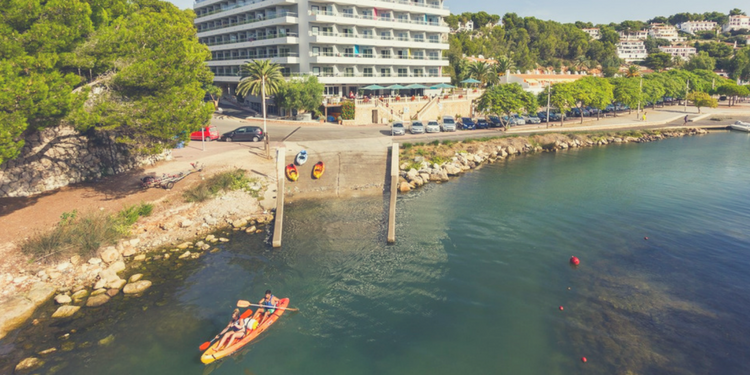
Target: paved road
x,y
313,131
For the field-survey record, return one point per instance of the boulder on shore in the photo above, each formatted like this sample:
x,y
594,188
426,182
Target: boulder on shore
x,y
63,299
136,287
97,300
65,311
15,311
29,364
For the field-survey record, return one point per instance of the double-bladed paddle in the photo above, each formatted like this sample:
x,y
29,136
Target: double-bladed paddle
x,y
244,304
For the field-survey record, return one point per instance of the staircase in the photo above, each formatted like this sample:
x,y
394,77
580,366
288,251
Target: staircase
x,y
427,112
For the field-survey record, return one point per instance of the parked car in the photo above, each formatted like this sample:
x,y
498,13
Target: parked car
x,y
531,119
542,116
482,124
433,127
519,119
210,134
398,128
495,122
514,120
449,124
467,123
417,127
244,133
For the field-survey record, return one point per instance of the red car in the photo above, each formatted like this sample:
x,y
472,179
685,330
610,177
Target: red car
x,y
210,134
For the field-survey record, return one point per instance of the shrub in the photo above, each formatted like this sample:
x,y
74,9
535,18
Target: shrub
x,y
435,143
448,142
84,234
406,145
224,181
347,110
439,160
421,152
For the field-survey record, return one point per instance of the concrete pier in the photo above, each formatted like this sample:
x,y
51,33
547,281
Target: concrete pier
x,y
394,194
281,178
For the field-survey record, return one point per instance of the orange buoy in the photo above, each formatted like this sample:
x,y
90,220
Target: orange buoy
x,y
574,261
645,238
561,308
583,359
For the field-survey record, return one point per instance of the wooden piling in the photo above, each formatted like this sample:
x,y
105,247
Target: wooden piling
x,y
394,194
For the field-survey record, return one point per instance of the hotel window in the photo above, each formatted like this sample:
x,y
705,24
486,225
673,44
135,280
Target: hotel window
x,y
348,31
316,51
348,12
385,72
385,35
368,72
385,54
433,39
403,37
316,70
348,52
328,72
433,72
314,9
418,73
403,72
367,52
349,72
367,34
315,30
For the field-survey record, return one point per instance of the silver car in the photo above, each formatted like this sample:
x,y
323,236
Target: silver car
x,y
398,129
532,119
417,127
449,124
433,127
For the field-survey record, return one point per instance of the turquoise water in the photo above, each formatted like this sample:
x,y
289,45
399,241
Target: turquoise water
x,y
475,279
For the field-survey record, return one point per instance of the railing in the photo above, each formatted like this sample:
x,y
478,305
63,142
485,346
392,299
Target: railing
x,y
369,36
373,18
231,7
254,20
252,39
374,56
389,100
243,57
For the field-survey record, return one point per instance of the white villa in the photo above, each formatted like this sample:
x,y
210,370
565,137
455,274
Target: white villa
x,y
593,32
691,27
662,31
631,50
737,23
683,52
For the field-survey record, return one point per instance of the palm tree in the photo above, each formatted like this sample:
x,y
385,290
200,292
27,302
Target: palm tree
x,y
633,71
582,62
504,64
260,77
481,71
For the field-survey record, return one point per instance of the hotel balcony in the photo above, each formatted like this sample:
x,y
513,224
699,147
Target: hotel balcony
x,y
373,59
287,18
264,41
376,40
241,7
285,58
378,22
397,5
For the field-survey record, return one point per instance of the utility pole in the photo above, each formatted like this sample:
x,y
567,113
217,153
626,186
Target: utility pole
x,y
549,96
640,94
687,90
263,98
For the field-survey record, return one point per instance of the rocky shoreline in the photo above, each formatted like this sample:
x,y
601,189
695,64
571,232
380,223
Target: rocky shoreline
x,y
423,164
181,233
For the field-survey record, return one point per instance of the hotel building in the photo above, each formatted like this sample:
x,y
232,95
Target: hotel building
x,y
348,44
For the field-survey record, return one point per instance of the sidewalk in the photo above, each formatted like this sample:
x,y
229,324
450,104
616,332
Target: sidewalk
x,y
660,116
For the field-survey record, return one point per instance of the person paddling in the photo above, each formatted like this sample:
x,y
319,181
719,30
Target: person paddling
x,y
238,328
268,304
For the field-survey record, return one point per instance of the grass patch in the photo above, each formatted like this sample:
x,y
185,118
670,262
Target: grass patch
x,y
406,145
84,234
224,181
435,143
632,133
448,142
414,165
439,160
421,152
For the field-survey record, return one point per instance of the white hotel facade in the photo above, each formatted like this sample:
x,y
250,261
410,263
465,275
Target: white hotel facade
x,y
348,44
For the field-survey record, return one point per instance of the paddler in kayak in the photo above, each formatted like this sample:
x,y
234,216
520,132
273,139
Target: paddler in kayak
x,y
238,328
269,303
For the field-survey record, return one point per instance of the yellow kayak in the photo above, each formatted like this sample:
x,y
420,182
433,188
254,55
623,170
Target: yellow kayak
x,y
213,353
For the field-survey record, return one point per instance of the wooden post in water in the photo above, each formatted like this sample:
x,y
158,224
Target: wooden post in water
x,y
280,177
394,194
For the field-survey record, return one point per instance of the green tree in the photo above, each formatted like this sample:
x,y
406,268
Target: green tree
x,y
652,44
305,94
563,98
482,71
215,93
737,12
732,90
701,61
632,71
260,78
626,91
506,99
658,61
701,99
739,65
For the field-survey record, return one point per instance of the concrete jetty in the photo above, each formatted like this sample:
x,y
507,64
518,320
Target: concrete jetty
x,y
281,178
394,194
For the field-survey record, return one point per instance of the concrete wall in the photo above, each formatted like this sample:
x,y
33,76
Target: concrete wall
x,y
353,168
363,113
57,157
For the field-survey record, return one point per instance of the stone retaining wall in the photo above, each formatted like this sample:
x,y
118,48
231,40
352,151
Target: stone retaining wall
x,y
57,157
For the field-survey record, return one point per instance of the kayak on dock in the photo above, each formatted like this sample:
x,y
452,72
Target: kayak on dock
x,y
318,169
301,157
291,172
214,353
